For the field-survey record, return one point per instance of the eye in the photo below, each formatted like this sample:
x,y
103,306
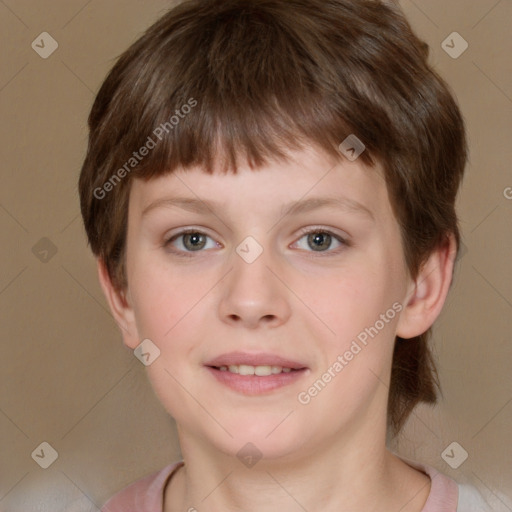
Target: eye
x,y
190,240
320,240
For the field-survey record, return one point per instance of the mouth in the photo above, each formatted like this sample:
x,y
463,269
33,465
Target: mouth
x,y
261,364
260,370
253,374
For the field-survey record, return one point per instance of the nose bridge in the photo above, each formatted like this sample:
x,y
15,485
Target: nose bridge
x,y
252,294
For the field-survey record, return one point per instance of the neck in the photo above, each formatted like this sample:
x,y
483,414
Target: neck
x,y
338,475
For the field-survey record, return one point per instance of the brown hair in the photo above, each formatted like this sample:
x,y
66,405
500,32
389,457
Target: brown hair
x,y
259,76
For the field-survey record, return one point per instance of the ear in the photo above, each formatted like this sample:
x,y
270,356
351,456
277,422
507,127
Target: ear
x,y
120,306
427,293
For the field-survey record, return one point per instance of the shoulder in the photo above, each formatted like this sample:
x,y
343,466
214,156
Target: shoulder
x,y
447,495
470,500
143,495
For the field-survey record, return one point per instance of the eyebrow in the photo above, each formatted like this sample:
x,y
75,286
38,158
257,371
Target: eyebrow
x,y
313,203
295,207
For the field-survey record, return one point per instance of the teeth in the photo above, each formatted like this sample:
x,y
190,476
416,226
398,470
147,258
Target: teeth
x,y
261,371
245,369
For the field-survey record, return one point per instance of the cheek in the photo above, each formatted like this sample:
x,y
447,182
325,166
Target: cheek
x,y
358,356
350,298
356,303
164,297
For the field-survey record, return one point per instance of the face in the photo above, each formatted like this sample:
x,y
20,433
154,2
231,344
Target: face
x,y
299,260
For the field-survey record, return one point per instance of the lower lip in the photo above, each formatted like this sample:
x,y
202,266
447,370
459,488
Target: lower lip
x,y
254,384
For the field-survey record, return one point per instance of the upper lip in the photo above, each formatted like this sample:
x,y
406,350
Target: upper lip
x,y
259,359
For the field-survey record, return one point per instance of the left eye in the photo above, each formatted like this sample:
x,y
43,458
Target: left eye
x,y
320,241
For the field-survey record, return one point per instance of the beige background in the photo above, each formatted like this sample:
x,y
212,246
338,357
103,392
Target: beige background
x,y
66,378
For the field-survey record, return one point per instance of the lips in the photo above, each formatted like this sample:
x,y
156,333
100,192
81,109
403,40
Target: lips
x,y
255,374
260,359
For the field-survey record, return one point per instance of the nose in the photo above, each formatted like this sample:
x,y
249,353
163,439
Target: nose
x,y
253,296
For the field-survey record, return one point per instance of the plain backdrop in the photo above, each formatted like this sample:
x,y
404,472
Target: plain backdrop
x,y
65,377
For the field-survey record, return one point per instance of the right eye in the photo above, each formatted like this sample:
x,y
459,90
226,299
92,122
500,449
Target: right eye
x,y
188,241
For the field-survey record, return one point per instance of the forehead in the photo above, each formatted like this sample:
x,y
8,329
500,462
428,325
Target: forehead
x,y
306,179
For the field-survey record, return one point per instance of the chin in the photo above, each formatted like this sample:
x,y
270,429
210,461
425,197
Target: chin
x,y
264,439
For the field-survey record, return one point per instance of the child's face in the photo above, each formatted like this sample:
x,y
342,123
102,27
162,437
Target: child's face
x,y
292,301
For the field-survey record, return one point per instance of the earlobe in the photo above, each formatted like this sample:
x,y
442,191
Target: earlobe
x,y
120,307
428,292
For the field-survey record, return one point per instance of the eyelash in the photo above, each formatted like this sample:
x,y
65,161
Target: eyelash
x,y
190,254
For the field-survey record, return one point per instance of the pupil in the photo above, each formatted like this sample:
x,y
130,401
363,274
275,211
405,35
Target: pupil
x,y
195,241
317,238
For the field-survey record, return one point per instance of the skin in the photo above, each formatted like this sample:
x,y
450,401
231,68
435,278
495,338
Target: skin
x,y
300,303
